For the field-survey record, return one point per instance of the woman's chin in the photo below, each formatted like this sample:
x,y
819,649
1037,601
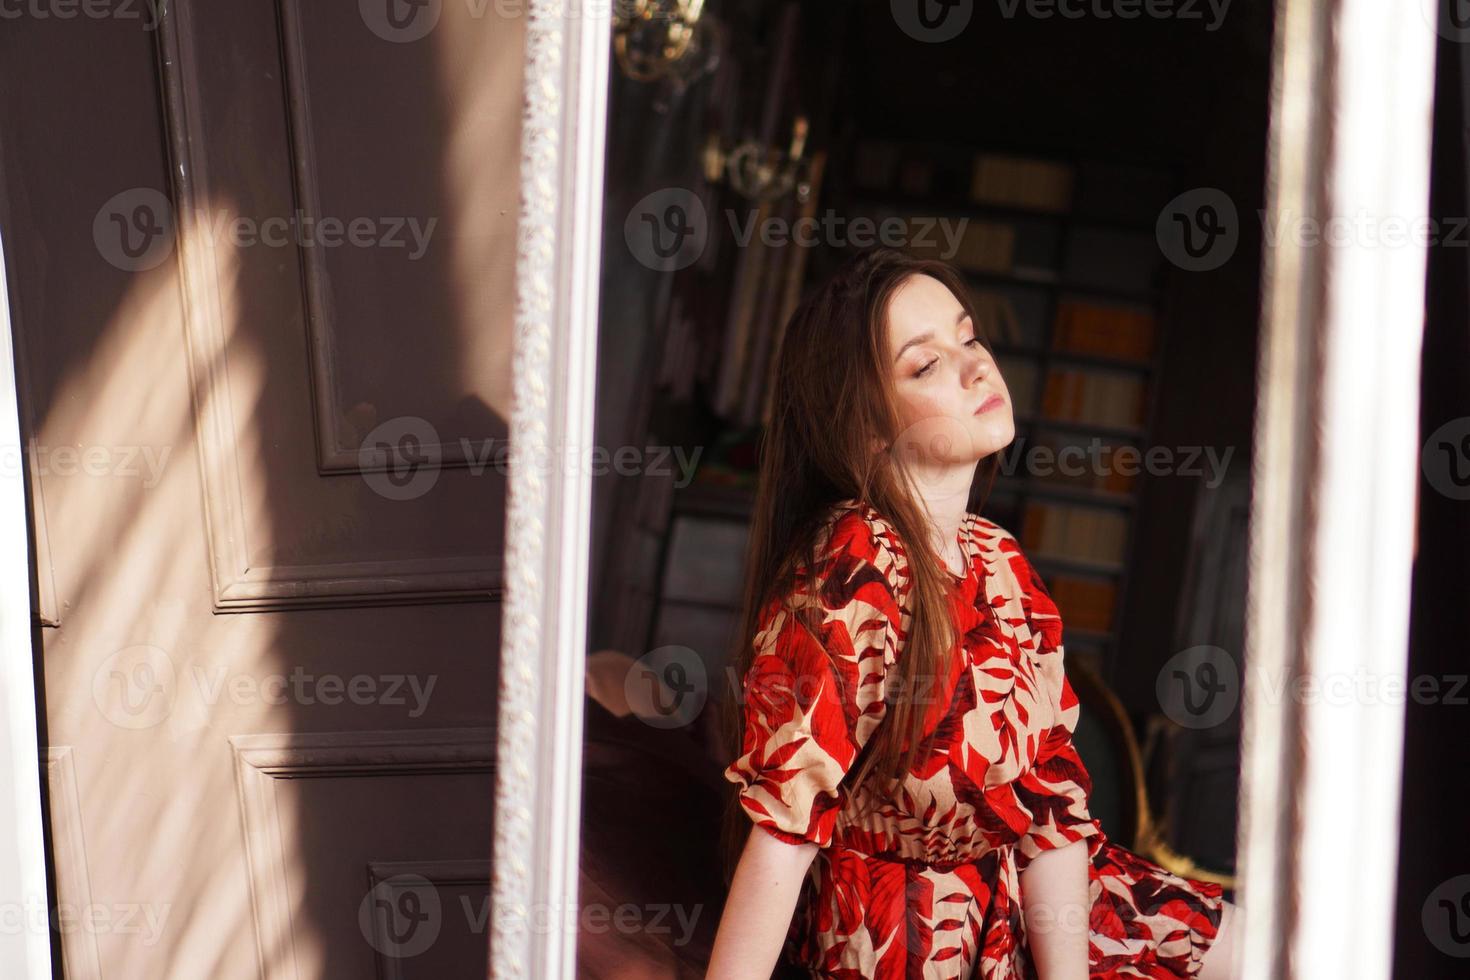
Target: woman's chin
x,y
993,436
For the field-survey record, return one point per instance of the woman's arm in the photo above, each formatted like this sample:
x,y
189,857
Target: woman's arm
x,y
1055,903
759,907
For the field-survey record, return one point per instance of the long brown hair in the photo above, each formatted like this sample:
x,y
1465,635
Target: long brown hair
x,y
831,396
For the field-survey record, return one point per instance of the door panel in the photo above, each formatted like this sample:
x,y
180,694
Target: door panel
x,y
269,471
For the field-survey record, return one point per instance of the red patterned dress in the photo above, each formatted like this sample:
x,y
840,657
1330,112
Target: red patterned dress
x,y
928,884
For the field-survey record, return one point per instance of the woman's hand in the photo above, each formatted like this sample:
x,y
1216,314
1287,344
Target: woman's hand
x,y
1055,902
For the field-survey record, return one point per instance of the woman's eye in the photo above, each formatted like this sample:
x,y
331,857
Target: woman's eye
x,y
925,369
973,340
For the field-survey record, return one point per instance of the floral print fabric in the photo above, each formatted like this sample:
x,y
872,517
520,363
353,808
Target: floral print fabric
x,y
927,884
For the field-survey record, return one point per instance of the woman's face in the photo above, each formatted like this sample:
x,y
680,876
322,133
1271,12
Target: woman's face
x,y
953,403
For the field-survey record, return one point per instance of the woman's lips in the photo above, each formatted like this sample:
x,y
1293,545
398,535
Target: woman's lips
x,y
994,401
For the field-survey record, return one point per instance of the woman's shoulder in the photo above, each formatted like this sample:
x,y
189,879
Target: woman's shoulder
x,y
856,530
1004,552
994,538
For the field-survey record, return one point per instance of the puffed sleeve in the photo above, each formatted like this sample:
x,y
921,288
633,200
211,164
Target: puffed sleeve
x,y
1056,788
813,694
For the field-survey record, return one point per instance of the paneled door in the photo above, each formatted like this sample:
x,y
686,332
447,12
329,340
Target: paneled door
x,y
262,266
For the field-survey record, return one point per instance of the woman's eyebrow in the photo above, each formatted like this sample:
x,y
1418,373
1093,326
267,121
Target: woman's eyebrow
x,y
924,338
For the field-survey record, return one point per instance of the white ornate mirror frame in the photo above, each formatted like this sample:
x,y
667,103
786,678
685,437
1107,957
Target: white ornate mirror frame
x,y
543,655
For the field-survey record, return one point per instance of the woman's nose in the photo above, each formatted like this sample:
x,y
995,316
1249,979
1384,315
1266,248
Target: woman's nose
x,y
979,370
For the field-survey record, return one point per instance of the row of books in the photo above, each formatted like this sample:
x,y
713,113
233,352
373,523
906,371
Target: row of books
x,y
1089,396
1021,182
1096,397
1011,318
1030,249
1000,179
1077,532
1002,322
1087,327
1090,189
1020,377
1085,602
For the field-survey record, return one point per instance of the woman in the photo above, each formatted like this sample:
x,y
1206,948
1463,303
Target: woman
x,y
904,745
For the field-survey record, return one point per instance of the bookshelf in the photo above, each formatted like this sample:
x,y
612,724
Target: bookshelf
x,y
1065,273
